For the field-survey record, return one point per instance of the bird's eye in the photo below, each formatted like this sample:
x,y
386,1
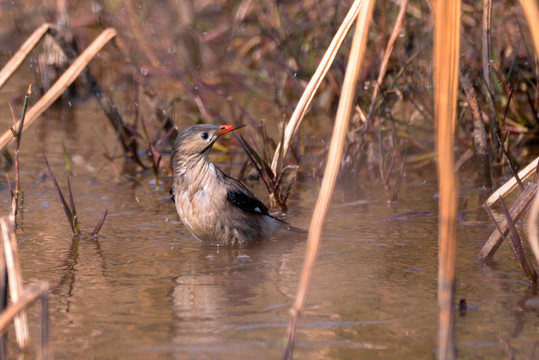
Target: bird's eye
x,y
204,135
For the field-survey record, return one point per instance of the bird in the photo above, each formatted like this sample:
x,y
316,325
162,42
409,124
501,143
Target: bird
x,y
216,208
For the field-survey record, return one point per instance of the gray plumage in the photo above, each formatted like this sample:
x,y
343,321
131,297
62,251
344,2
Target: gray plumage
x,y
216,208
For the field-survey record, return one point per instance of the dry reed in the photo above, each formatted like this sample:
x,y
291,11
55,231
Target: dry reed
x,y
531,10
512,183
533,227
21,54
446,61
14,278
62,83
312,86
340,129
31,293
517,210
387,53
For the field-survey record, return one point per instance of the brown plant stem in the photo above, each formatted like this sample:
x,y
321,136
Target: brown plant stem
x,y
517,210
531,11
14,278
104,99
17,194
387,53
479,135
446,60
30,294
21,54
61,84
533,227
342,120
312,86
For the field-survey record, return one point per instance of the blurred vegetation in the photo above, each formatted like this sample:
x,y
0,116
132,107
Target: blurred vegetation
x,y
177,62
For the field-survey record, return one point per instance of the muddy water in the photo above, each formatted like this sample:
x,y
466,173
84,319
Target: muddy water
x,y
145,289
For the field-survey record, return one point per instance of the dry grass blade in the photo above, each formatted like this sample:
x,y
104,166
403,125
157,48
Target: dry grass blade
x,y
17,59
342,121
446,63
62,83
98,226
531,10
14,278
72,206
314,83
63,202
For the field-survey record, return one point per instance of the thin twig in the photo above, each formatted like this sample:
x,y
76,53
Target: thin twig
x,y
387,53
16,195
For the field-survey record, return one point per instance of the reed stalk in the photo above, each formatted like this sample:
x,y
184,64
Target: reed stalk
x,y
313,85
446,68
533,227
61,84
14,278
31,293
512,183
517,210
531,11
340,129
21,54
387,53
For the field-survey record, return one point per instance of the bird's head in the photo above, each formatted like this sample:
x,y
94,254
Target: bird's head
x,y
197,140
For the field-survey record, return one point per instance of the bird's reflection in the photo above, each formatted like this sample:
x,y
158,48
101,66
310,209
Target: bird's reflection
x,y
222,278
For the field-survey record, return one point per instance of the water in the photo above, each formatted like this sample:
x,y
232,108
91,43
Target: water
x,y
145,289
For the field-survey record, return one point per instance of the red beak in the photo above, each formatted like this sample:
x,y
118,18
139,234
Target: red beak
x,y
223,129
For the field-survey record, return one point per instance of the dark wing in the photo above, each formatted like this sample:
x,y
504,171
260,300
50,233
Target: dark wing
x,y
238,195
246,201
172,194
